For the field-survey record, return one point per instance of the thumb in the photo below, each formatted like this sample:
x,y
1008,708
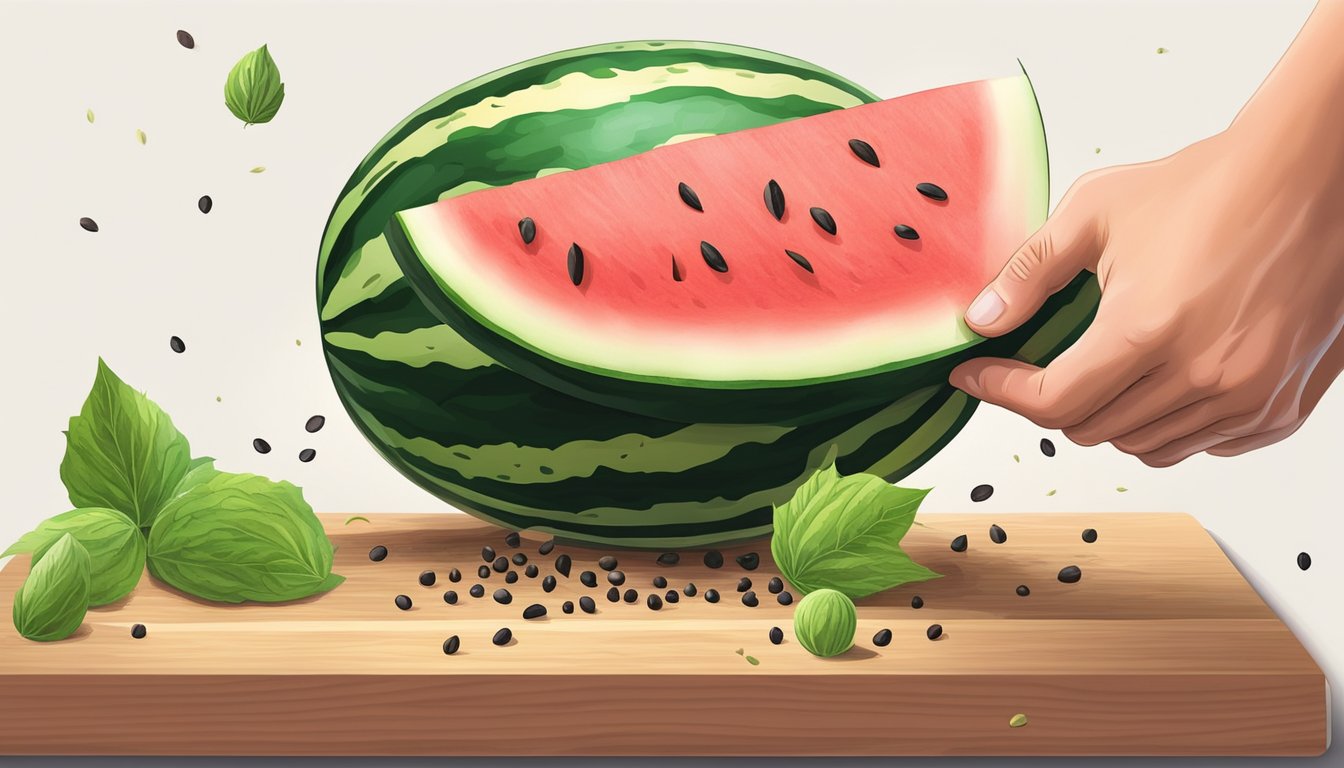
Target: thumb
x,y
1068,243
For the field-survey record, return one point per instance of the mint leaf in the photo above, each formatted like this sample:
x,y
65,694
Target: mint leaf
x,y
200,470
51,603
122,451
253,91
844,533
114,544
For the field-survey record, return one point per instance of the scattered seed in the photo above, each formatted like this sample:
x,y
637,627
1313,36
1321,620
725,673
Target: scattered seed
x,y
774,200
931,191
185,39
673,596
534,611
501,564
659,582
1017,721
488,553
607,563
454,575
427,578
750,600
527,228
138,631
711,595
140,136
883,638
353,518
616,578
588,578
1070,574
743,584
776,585
483,572
519,558
916,602
502,637
714,558
450,597
89,225
205,204
676,271
451,645
477,590
613,595
1050,492
749,561
1303,560
669,558
546,547
631,595
776,635
567,606
823,219
1023,590
587,605
378,553
1161,50
982,492
88,115
531,571
905,232
1097,150
753,661
260,446
864,151
934,631
403,602
712,257
654,602
1047,446
688,196
1121,489
959,543
511,577
513,539
258,169
799,259
503,596
997,534
575,263
307,455
562,565
314,423
784,598
1090,535
1017,459
177,345
689,589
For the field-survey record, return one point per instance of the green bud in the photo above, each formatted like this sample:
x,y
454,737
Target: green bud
x,y
824,622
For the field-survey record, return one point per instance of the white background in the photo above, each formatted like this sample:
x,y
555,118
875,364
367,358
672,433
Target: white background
x,y
237,284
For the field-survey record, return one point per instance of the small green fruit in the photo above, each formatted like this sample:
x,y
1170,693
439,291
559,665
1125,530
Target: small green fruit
x,y
824,622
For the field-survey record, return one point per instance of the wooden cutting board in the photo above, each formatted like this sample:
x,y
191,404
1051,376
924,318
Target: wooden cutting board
x,y
1161,648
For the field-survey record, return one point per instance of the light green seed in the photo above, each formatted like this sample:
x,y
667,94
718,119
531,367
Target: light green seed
x,y
1050,492
1121,489
88,115
753,661
1161,50
258,169
1017,721
1017,459
140,136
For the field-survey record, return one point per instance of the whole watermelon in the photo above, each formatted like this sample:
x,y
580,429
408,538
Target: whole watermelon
x,y
516,453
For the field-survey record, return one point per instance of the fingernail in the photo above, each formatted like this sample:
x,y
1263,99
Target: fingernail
x,y
986,308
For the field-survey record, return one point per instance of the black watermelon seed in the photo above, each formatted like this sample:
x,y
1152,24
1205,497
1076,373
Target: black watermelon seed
x,y
454,575
669,558
905,232
185,39
575,263
776,635
616,578
799,259
502,637
631,595
982,492
501,564
531,571
824,219
1070,574
743,584
711,595
314,423
712,257
774,200
477,590
483,572
548,583
1047,446
654,602
261,446
527,228
511,577
488,553
1303,560
546,547
138,631
403,602
177,345
689,590
588,578
776,585
931,191
513,539
205,204
534,611
959,543
587,605
613,595
883,638
503,596
562,565
567,606
864,151
607,563
676,271
916,602
519,558
659,582
673,596
749,561
451,645
307,455
714,558
427,578
689,197
378,553
934,631
88,224
1090,535
1023,590
450,597
997,534
784,598
749,599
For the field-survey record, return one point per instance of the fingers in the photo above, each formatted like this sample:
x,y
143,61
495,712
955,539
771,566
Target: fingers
x,y
1183,448
1240,445
1188,420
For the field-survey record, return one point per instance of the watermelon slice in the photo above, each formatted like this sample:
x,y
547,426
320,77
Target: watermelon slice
x,y
780,274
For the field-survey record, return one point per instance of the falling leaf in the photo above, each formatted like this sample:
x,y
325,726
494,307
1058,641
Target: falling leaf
x,y
258,169
88,115
140,136
253,91
1121,489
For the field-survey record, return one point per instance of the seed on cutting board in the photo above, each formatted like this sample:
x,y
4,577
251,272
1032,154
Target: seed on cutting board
x,y
534,611
427,578
511,577
776,635
451,645
185,39
548,583
502,637
934,631
630,596
501,564
1303,560
689,589
503,596
883,638
527,229
607,563
89,225
314,423
743,584
864,151
714,558
784,598
488,554
654,602
483,572
177,345
916,602
660,582
750,561
749,599
307,455
905,232
1017,721
669,558
575,263
613,595
713,257
1070,574
587,605
774,199
454,575
562,565
450,597
403,602
824,219
546,547
931,191
1047,446
477,590
513,539
997,534
567,606
519,558
616,578
982,492
205,204
688,196
673,596
378,553
711,595
138,631
776,585
531,571
1090,535
1023,590
588,578
959,543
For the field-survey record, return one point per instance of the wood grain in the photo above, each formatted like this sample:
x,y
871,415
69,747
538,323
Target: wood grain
x,y
1162,648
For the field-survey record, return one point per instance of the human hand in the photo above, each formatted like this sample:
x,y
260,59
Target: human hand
x,y
1219,328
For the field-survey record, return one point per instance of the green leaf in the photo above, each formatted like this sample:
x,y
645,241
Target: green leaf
x,y
54,598
200,470
844,533
122,451
115,547
253,91
241,537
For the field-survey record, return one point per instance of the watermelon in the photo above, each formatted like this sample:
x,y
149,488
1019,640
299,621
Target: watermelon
x,y
782,274
497,444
